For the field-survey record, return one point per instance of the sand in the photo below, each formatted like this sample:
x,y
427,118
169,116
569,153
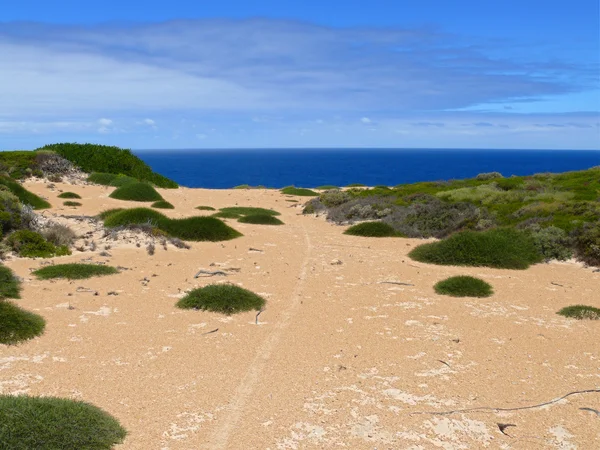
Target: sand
x,y
338,359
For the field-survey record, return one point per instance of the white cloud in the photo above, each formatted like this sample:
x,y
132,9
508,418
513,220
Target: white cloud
x,y
365,120
149,122
105,122
201,136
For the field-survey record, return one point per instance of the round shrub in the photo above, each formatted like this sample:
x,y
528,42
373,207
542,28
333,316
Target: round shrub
x,y
500,248
9,284
74,271
205,208
136,192
464,286
222,298
246,210
587,243
59,234
69,195
580,312
552,242
260,219
33,245
291,190
17,325
122,180
70,203
372,229
162,204
55,423
101,178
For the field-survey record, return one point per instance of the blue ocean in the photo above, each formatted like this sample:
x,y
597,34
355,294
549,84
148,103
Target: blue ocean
x,y
219,169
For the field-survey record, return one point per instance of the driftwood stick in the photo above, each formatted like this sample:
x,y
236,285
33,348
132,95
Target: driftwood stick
x,y
396,282
592,410
556,284
258,314
210,332
210,273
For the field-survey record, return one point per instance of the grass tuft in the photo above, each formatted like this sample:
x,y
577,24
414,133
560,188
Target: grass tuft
x,y
137,192
464,286
55,423
162,204
9,284
69,195
580,312
205,208
372,229
70,203
247,210
301,192
222,298
17,325
260,219
74,271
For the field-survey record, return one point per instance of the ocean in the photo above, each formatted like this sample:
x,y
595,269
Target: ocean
x,y
220,169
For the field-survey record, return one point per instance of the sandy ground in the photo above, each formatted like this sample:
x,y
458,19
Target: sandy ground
x,y
337,360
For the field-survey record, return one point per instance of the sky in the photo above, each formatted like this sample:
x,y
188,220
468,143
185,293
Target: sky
x,y
261,74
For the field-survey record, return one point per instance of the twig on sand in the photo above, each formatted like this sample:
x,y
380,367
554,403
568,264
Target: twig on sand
x,y
396,282
258,314
595,411
556,284
211,331
444,363
252,249
488,408
210,273
504,426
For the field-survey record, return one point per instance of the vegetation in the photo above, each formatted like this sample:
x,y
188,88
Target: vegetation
x,y
18,164
260,219
326,187
372,229
357,185
70,203
464,286
226,215
587,243
101,158
69,195
17,325
10,285
205,208
31,244
551,242
59,235
137,192
101,178
197,228
122,180
580,312
222,298
28,423
24,196
74,271
291,190
162,204
501,248
247,210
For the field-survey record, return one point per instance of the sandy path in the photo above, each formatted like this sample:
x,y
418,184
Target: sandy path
x,y
338,359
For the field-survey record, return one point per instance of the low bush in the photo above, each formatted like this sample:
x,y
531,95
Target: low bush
x,y
74,271
260,219
501,248
327,187
333,198
580,312
70,203
137,192
205,208
31,244
552,242
28,423
301,192
488,176
372,229
10,211
463,286
24,196
162,204
101,178
59,235
122,180
69,195
10,285
226,215
17,325
366,208
222,298
586,240
247,210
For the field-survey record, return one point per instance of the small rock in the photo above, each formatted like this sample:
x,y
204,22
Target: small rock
x,y
336,262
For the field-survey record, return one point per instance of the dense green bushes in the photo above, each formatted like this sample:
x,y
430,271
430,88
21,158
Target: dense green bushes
x,y
223,298
10,286
17,325
137,192
31,244
372,229
28,423
162,204
102,178
74,271
500,248
463,286
101,158
291,190
260,219
69,195
580,312
24,196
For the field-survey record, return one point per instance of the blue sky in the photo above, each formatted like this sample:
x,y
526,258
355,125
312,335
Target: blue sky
x,y
235,74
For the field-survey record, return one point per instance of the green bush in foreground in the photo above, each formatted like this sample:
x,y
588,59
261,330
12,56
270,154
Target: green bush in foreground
x,y
122,180
33,245
70,203
223,298
162,204
74,271
226,215
24,196
9,284
464,286
247,210
291,190
500,248
69,195
372,229
580,312
17,325
205,208
199,228
260,219
137,192
28,423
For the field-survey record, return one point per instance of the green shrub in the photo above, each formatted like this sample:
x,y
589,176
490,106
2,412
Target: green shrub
x,y
10,210
69,195
33,245
357,185
500,248
162,204
226,215
17,164
246,210
327,187
372,229
70,203
101,158
223,298
334,198
552,242
260,219
10,286
488,176
109,212
463,286
137,192
101,178
291,190
580,312
74,271
17,325
587,243
24,196
122,180
28,423
205,208
191,229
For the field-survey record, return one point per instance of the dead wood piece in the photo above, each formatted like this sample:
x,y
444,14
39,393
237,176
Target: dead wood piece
x,y
258,314
252,249
504,426
233,269
400,283
209,273
444,363
592,410
556,284
211,331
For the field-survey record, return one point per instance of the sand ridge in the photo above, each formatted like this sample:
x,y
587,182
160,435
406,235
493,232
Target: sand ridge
x,y
337,359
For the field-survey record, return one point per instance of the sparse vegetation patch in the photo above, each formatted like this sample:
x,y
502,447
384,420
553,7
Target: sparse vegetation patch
x,y
69,195
70,203
17,325
580,312
463,286
222,298
74,271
